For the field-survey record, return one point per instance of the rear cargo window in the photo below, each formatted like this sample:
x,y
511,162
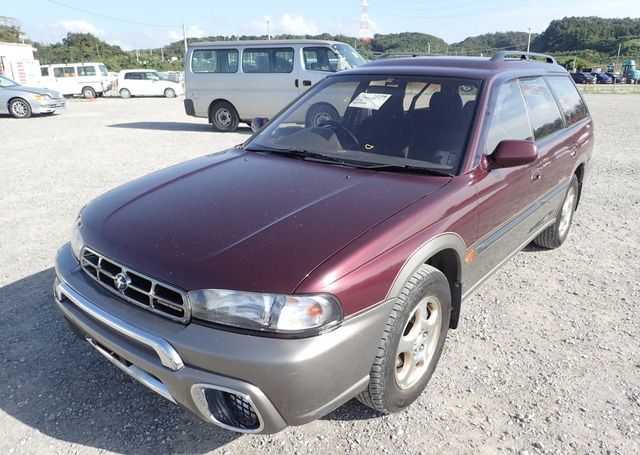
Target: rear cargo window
x,y
569,99
214,61
543,110
268,60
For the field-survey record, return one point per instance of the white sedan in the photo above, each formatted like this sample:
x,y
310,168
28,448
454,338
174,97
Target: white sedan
x,y
146,82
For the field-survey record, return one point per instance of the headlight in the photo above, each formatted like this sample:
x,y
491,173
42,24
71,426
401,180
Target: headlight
x,y
275,313
42,97
77,243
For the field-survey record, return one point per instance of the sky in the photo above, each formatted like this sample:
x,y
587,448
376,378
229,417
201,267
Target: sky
x,y
144,24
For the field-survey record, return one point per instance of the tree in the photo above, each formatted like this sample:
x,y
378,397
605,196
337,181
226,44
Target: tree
x,y
10,31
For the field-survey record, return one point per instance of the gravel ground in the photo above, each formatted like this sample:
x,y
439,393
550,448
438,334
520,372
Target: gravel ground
x,y
546,359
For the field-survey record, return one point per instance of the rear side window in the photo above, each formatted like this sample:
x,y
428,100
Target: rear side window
x,y
214,61
510,120
543,110
86,71
320,59
67,71
136,76
570,101
268,60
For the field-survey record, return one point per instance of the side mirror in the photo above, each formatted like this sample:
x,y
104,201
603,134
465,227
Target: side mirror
x,y
258,122
513,153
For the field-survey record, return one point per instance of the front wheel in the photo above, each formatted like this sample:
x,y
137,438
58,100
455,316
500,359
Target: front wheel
x,y
20,108
411,344
321,113
555,235
224,116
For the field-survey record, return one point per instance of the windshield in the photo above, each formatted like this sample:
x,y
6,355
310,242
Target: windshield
x,y
6,82
350,55
364,120
103,70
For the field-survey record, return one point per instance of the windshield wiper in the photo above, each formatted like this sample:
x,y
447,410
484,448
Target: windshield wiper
x,y
407,167
301,153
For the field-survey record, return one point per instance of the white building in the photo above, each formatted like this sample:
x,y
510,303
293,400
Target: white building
x,y
17,62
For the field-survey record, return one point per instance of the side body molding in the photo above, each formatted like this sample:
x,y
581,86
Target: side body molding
x,y
441,242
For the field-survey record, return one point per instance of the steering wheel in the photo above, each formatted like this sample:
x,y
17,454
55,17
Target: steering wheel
x,y
346,131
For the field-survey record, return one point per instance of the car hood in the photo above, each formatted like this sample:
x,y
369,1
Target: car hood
x,y
37,91
244,220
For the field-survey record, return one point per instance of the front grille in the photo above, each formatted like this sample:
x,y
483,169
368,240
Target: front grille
x,y
141,290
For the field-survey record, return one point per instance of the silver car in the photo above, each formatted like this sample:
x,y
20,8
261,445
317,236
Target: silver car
x,y
21,101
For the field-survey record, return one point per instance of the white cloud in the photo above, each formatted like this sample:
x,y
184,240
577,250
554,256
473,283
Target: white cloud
x,y
296,25
77,26
193,31
287,24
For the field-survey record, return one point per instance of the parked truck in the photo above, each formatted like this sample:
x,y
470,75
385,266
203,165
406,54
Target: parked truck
x,y
630,72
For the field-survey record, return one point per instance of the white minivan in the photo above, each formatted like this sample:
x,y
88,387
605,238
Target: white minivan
x,y
146,82
229,82
86,79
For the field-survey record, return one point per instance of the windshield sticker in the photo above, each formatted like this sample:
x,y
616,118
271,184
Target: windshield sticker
x,y
370,100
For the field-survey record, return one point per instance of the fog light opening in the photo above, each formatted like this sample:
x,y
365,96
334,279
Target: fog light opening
x,y
227,408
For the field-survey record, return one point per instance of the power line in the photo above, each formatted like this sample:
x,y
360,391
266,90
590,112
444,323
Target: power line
x,y
126,21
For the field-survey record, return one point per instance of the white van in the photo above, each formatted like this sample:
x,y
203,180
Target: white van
x,y
86,79
229,82
146,82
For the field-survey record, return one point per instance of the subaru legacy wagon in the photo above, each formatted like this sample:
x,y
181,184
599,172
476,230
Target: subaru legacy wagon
x,y
323,260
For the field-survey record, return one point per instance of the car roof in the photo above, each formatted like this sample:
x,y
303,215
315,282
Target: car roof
x,y
150,70
262,43
463,67
73,64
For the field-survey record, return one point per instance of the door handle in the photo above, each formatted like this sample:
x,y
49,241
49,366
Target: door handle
x,y
296,83
573,152
306,83
536,174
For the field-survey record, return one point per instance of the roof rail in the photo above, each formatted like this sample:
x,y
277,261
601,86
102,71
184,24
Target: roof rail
x,y
402,54
519,55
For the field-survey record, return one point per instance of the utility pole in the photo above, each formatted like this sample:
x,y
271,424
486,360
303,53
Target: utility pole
x,y
267,19
184,36
617,58
162,54
529,40
428,48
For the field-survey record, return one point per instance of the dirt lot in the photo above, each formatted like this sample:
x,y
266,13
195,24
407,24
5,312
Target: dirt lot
x,y
546,359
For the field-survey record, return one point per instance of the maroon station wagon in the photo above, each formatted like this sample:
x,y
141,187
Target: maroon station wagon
x,y
327,257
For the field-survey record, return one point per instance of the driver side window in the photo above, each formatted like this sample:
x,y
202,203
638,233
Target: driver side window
x,y
510,119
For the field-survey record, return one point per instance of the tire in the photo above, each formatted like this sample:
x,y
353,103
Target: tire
x,y
555,235
394,382
19,108
319,113
224,116
169,93
88,93
124,93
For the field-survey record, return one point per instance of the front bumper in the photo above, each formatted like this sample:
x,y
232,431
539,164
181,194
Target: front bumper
x,y
286,381
47,106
